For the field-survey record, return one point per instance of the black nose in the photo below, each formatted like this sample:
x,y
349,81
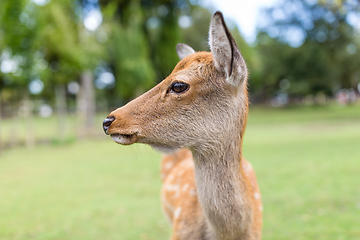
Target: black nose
x,y
107,122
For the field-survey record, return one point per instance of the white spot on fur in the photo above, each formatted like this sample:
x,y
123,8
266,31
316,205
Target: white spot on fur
x,y
171,188
167,208
190,162
177,212
180,173
168,165
185,187
192,192
166,204
177,194
246,169
261,208
257,195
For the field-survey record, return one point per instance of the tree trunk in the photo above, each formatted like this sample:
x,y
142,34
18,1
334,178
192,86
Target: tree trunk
x,y
15,122
26,112
0,123
60,95
86,105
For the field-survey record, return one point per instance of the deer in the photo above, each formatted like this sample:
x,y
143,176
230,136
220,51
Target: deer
x,y
197,117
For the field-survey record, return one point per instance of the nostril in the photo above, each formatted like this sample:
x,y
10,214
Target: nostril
x,y
107,122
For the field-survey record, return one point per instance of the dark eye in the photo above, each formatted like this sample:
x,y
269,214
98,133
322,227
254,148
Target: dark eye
x,y
179,87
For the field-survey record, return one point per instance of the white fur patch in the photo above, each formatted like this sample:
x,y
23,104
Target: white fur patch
x,y
172,188
190,163
168,165
120,139
250,166
177,212
192,192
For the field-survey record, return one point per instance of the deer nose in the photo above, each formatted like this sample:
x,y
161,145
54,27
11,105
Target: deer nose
x,y
107,122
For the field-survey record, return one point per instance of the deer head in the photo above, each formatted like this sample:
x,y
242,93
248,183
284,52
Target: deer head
x,y
195,105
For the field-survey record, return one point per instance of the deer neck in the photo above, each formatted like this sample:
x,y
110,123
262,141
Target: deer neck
x,y
222,190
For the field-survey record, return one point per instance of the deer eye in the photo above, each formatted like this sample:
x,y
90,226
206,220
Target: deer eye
x,y
179,87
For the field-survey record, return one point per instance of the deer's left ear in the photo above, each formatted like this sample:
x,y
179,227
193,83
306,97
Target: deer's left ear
x,y
225,52
183,50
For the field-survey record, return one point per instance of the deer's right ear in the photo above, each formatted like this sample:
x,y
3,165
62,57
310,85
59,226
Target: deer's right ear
x,y
184,50
226,55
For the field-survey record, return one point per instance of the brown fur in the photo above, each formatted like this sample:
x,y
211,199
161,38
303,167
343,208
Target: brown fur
x,y
210,192
178,170
146,110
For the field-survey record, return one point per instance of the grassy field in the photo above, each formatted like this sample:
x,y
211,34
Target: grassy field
x,y
307,161
13,130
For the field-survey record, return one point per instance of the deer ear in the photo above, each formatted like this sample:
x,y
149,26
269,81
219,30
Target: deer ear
x,y
184,50
226,55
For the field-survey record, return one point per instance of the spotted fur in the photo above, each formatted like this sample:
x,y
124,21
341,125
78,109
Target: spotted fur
x,y
209,191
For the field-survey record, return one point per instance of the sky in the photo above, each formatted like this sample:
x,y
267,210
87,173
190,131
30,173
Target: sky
x,y
243,12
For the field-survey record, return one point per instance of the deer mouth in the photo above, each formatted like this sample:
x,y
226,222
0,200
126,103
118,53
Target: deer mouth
x,y
124,139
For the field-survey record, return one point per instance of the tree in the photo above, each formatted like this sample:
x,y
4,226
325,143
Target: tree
x,y
142,40
19,21
70,53
46,44
308,45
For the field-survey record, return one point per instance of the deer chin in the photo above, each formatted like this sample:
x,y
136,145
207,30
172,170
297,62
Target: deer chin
x,y
124,139
164,148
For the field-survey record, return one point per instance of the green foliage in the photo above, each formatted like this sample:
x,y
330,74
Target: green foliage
x,y
137,39
321,63
60,37
196,35
164,54
19,24
46,42
66,43
140,56
130,56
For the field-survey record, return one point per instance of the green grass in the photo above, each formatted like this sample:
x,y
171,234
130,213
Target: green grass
x,y
14,130
308,166
307,161
88,190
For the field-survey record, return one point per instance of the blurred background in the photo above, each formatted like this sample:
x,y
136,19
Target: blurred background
x,y
64,65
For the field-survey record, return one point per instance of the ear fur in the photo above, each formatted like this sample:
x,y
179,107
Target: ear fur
x,y
183,50
226,55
